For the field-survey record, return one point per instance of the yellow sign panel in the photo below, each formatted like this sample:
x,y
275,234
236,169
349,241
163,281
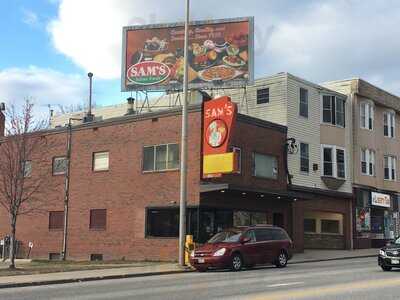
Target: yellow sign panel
x,y
219,163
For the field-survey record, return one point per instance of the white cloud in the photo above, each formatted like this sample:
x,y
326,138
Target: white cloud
x,y
29,17
44,86
318,40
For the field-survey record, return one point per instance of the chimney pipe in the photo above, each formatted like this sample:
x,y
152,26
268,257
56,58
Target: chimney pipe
x,y
89,117
2,119
131,103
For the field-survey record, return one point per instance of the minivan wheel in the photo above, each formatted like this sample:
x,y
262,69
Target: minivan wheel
x,y
386,268
237,262
281,260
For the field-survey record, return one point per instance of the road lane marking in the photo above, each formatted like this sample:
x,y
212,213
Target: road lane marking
x,y
336,289
285,284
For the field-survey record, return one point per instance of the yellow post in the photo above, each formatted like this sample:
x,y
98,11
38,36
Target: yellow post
x,y
189,247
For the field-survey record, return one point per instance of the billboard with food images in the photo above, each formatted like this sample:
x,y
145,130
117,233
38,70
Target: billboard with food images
x,y
220,54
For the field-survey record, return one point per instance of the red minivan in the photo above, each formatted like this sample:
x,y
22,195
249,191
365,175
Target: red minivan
x,y
244,247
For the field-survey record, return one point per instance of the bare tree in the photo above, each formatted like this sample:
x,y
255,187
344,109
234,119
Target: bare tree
x,y
20,187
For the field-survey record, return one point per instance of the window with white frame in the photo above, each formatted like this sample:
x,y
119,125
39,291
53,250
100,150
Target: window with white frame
x,y
368,162
100,161
389,124
304,158
367,115
303,108
333,110
390,167
333,161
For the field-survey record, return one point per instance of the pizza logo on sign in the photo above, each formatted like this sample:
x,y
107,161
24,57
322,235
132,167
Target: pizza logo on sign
x,y
216,133
148,72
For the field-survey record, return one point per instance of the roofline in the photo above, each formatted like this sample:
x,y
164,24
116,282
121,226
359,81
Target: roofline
x,y
175,111
314,85
358,79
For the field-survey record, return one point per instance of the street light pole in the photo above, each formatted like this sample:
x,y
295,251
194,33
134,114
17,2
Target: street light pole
x,y
66,193
184,138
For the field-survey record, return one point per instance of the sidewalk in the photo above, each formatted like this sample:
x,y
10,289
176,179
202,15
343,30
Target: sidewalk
x,y
160,269
326,255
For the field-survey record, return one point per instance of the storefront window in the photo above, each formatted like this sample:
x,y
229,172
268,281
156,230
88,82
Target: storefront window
x,y
330,226
164,222
241,218
310,225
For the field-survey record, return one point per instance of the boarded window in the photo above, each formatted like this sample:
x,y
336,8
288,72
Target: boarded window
x,y
98,219
100,161
56,220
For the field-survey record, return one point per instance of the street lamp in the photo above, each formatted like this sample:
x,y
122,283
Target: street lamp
x,y
184,138
66,194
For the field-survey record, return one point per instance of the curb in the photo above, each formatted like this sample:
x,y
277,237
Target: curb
x,y
87,279
331,259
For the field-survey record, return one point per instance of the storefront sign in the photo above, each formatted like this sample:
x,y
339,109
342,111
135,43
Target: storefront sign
x,y
219,116
220,54
379,199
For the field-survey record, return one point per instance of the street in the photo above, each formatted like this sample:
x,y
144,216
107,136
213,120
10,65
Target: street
x,y
344,279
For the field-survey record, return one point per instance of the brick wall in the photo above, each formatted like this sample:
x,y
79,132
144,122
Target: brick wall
x,y
124,190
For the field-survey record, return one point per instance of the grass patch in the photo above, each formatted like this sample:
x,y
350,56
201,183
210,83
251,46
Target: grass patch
x,y
52,266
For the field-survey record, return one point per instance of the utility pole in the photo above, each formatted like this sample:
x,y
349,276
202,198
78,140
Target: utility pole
x,y
66,194
184,138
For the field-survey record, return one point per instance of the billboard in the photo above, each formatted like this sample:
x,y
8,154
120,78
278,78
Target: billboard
x,y
220,54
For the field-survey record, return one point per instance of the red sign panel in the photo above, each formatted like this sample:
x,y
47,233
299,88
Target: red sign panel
x,y
219,118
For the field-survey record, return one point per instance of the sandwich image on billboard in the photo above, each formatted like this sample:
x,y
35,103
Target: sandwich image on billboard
x,y
220,54
219,117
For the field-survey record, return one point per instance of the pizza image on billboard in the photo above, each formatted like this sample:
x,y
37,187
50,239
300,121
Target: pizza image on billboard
x,y
220,54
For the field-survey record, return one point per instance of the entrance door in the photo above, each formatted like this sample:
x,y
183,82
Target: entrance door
x,y
278,219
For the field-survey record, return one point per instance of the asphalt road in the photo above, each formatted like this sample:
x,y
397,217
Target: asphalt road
x,y
345,279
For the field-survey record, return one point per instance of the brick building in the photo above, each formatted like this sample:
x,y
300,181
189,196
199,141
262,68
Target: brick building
x,y
124,188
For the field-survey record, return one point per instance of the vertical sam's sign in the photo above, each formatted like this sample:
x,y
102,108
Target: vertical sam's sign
x,y
219,118
220,54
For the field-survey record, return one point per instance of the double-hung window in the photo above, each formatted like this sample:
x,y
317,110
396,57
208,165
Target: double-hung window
x,y
333,110
390,167
304,158
368,162
389,124
161,157
263,96
367,115
303,109
333,161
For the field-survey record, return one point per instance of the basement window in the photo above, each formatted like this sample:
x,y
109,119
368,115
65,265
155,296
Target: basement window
x,y
96,257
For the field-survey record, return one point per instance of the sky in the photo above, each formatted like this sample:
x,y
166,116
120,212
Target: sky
x,y
47,47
